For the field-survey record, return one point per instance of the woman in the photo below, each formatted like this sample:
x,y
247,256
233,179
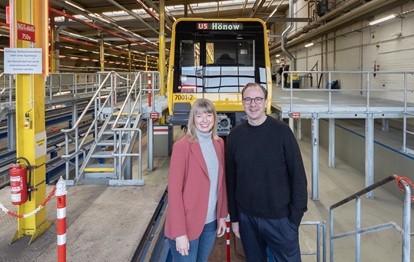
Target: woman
x,y
197,199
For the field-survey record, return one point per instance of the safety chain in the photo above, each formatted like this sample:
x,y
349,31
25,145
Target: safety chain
x,y
42,205
398,180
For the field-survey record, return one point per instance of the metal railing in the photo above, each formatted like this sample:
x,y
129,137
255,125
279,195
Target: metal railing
x,y
320,233
383,94
365,84
72,134
8,88
105,104
73,84
404,230
131,113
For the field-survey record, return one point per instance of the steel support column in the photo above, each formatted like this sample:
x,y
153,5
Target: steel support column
x,y
299,129
331,162
315,157
369,153
161,47
30,117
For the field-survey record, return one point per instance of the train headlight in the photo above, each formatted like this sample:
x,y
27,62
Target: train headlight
x,y
224,123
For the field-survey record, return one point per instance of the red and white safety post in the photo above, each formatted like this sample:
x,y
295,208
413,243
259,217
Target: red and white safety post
x,y
228,239
61,219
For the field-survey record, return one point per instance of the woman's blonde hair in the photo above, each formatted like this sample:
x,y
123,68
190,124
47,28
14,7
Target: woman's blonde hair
x,y
201,105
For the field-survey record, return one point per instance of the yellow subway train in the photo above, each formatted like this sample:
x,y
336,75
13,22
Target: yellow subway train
x,y
214,59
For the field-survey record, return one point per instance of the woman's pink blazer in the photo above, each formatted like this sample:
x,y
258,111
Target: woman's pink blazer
x,y
188,189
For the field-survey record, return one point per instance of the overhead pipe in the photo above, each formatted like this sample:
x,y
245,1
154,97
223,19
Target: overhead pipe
x,y
304,35
284,34
152,14
337,12
133,15
275,10
169,21
71,40
244,6
256,7
99,28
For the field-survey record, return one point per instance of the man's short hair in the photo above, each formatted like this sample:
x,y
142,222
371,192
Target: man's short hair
x,y
255,84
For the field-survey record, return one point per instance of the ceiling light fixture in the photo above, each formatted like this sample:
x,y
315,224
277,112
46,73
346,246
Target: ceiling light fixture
x,y
382,19
309,45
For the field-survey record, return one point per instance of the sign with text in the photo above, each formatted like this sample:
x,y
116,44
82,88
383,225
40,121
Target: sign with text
x,y
154,115
295,115
25,32
23,60
220,26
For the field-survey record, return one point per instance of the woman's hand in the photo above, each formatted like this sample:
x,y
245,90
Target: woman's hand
x,y
182,244
221,227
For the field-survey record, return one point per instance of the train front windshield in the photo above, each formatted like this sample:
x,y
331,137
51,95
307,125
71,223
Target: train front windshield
x,y
218,57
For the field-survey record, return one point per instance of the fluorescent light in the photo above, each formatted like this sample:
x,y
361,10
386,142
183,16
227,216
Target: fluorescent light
x,y
277,55
309,45
382,19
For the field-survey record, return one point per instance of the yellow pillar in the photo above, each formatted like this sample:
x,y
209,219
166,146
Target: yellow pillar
x,y
31,140
129,58
146,61
102,55
53,37
161,57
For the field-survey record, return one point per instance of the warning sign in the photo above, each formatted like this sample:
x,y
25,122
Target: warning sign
x,y
25,32
154,115
295,115
23,60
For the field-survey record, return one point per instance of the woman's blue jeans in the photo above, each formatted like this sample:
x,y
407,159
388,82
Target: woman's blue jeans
x,y
200,248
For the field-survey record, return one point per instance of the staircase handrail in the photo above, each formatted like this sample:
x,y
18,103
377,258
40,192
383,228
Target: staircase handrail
x,y
101,86
78,146
10,87
138,98
122,151
405,185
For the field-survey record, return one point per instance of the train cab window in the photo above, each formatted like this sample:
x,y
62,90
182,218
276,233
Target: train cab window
x,y
221,59
189,64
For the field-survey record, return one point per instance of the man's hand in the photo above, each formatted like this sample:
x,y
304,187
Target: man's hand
x,y
182,244
235,228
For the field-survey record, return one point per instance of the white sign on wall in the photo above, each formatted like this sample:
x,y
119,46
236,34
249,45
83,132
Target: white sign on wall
x,y
23,60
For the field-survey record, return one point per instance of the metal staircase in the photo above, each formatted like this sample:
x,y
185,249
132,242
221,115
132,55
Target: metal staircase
x,y
115,133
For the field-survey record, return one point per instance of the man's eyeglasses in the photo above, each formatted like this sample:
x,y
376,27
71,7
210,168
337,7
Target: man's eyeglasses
x,y
248,100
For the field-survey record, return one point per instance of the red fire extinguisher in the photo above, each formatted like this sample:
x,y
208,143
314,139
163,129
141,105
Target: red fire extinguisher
x,y
18,184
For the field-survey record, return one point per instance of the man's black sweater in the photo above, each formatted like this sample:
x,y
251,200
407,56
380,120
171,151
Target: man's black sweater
x,y
265,173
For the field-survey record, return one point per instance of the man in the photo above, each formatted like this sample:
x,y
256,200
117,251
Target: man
x,y
266,182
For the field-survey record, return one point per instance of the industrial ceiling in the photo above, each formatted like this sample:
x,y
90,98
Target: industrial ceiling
x,y
134,25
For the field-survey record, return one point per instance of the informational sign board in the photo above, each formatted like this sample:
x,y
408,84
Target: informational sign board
x,y
295,115
25,32
23,60
154,115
